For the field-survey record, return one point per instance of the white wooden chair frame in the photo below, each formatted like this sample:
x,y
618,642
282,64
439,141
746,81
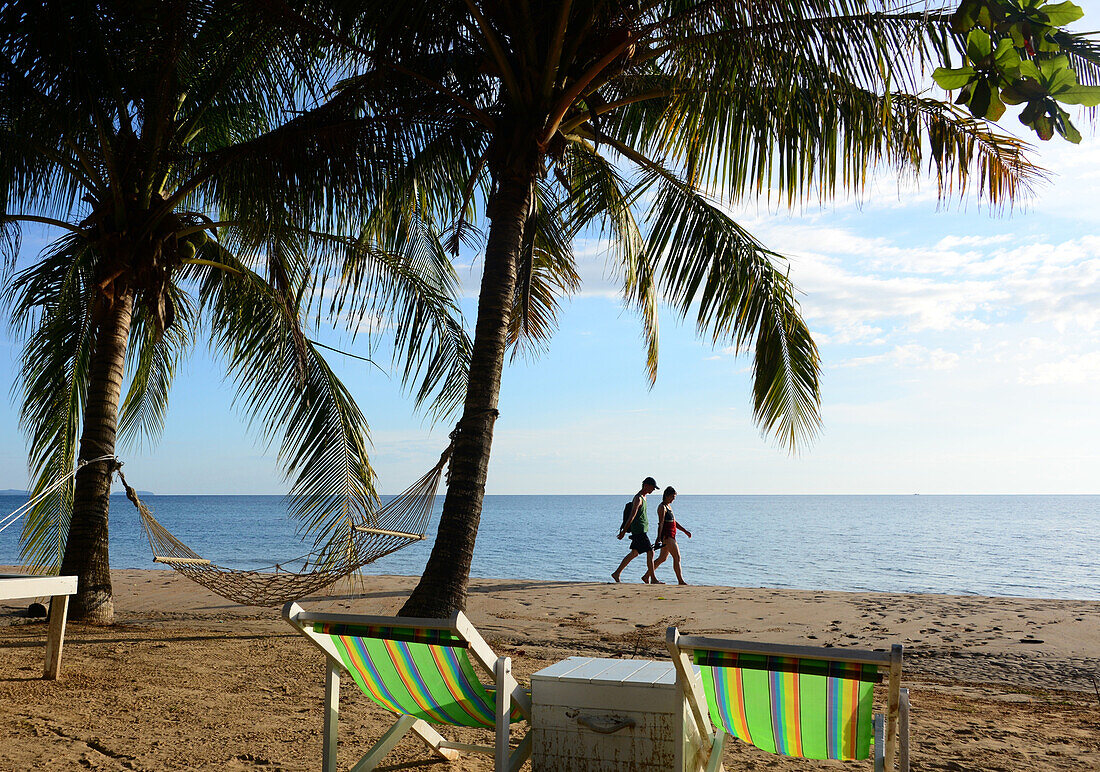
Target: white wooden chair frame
x,y
891,730
508,692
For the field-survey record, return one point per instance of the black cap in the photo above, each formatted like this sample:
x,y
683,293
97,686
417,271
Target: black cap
x,y
650,481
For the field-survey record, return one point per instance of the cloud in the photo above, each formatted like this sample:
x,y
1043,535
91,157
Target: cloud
x,y
954,242
1074,370
911,355
851,306
860,289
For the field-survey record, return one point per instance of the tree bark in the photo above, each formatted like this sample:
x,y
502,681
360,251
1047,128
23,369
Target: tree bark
x,y
442,587
86,553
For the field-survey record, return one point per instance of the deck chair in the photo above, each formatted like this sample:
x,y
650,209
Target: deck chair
x,y
422,670
806,701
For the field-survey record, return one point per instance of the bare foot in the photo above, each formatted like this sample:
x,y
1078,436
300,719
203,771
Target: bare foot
x,y
615,577
654,581
645,579
682,582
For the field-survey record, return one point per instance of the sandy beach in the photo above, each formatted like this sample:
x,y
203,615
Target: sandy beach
x,y
186,680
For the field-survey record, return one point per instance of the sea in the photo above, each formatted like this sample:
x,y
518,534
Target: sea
x,y
1022,546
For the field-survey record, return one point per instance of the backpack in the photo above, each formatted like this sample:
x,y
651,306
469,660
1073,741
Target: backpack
x,y
627,510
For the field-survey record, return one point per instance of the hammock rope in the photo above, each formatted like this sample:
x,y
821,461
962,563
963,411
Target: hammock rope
x,y
12,517
399,523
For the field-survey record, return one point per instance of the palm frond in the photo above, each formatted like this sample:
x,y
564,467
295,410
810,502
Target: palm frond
x,y
355,152
546,274
154,357
804,113
398,271
51,306
961,148
324,434
10,242
601,199
710,266
866,42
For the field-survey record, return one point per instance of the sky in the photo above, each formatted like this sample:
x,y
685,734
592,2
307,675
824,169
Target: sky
x,y
960,351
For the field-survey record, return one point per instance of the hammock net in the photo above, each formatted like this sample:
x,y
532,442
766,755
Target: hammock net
x,y
399,523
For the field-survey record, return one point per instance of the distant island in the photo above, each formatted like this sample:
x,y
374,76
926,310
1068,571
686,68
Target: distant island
x,y
17,492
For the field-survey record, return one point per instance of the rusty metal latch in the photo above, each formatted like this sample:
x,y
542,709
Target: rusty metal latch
x,y
605,724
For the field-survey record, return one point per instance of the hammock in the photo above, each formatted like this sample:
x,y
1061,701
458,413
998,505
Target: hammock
x,y
398,524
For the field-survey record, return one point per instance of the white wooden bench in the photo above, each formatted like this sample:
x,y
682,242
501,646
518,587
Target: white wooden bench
x,y
58,588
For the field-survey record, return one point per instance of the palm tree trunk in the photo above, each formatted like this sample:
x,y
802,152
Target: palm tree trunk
x,y
442,587
86,546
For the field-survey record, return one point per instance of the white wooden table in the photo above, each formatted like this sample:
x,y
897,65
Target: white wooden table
x,y
611,715
58,588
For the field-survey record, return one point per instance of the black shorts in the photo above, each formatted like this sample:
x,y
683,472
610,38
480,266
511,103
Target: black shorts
x,y
639,542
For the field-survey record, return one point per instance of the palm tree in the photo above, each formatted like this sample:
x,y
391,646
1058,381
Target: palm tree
x,y
194,198
644,120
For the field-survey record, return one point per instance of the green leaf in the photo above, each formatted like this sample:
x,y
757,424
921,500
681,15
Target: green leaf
x,y
1062,81
996,107
1007,59
1028,69
1069,131
949,80
981,99
1060,14
1012,96
1050,68
153,358
1033,110
1057,73
1046,44
972,13
1043,127
51,304
1019,39
1089,96
978,45
966,17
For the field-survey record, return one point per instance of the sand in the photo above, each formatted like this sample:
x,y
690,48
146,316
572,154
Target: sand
x,y
186,680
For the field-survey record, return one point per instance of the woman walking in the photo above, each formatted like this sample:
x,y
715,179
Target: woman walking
x,y
667,528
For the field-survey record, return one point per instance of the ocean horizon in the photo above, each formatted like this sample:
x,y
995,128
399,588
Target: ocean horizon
x,y
1040,546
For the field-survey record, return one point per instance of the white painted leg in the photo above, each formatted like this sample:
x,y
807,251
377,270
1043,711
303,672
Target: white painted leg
x,y
521,754
385,744
502,669
55,635
332,716
903,729
880,743
433,739
717,749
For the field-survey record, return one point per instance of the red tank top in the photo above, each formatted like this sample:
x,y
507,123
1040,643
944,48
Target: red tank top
x,y
668,530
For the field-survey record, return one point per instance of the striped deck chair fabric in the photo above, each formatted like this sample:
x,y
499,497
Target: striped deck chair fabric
x,y
803,701
793,707
426,674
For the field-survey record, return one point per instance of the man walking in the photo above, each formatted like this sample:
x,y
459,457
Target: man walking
x,y
636,524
